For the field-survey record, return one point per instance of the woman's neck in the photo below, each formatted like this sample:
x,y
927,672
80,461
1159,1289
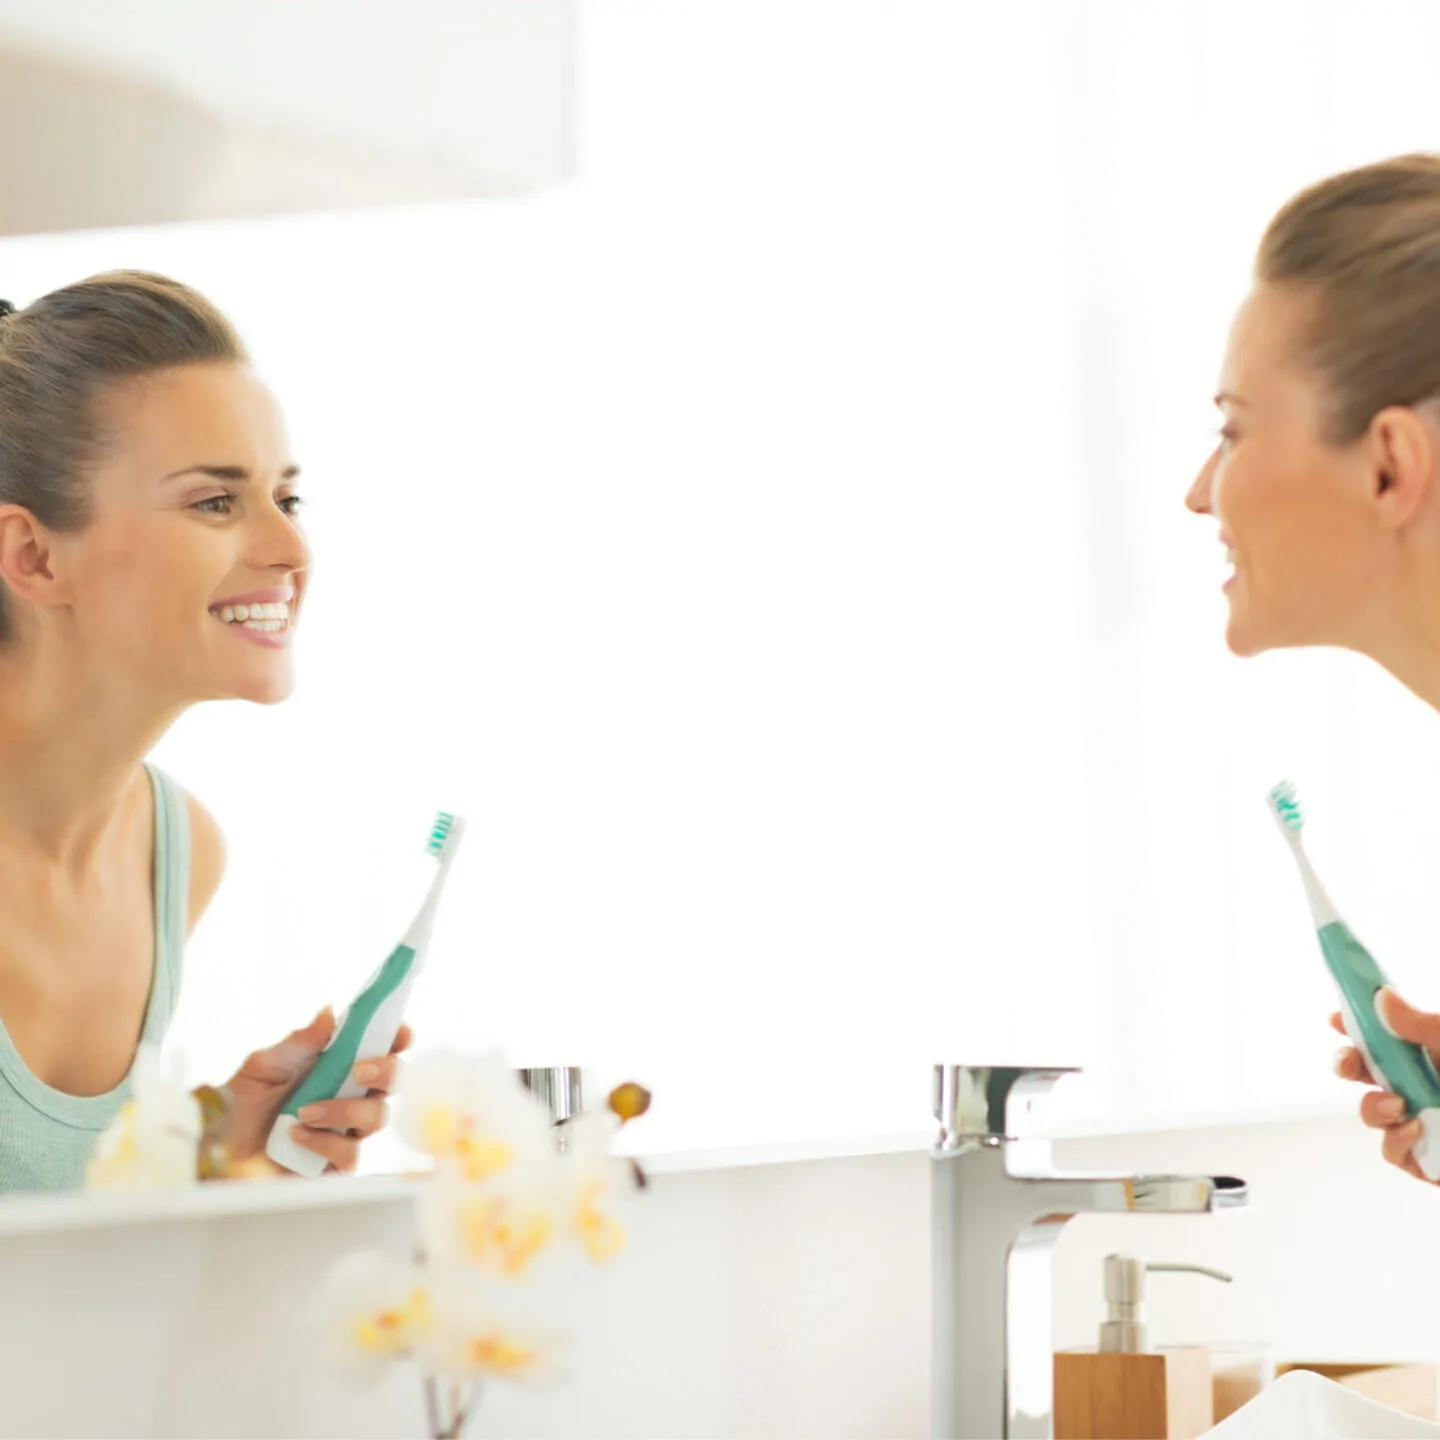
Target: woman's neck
x,y
71,743
1401,632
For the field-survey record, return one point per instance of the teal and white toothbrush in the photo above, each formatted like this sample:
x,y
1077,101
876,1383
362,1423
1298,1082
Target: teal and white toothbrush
x,y
367,1030
1400,1066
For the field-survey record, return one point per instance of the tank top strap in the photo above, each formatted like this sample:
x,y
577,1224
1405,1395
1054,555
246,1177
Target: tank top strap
x,y
172,899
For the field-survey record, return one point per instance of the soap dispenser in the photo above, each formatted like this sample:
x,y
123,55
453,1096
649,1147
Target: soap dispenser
x,y
1123,1390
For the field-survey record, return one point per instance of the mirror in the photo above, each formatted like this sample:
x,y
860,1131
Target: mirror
x,y
772,545
665,567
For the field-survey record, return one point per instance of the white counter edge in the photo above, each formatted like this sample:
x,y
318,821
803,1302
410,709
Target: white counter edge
x,y
48,1214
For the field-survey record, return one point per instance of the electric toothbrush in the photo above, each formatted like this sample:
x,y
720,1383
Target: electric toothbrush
x,y
1401,1067
367,1029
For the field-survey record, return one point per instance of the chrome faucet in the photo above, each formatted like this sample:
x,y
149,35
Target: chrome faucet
x,y
997,1208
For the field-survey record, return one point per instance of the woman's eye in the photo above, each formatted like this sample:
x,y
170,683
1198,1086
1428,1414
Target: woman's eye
x,y
224,504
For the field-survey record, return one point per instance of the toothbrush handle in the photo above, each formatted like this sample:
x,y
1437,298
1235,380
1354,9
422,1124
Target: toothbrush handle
x,y
1400,1065
378,1008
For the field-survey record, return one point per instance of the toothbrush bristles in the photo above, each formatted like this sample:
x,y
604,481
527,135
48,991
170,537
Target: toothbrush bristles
x,y
1285,802
440,832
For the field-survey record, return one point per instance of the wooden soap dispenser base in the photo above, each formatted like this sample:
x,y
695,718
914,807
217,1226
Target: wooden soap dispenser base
x,y
1124,1390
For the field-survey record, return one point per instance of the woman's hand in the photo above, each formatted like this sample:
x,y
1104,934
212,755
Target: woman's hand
x,y
265,1081
1381,1110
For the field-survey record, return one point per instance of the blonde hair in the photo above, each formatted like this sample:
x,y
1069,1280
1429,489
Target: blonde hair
x,y
61,354
1364,245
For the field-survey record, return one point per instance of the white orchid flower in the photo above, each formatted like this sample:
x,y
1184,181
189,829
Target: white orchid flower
x,y
153,1141
479,1332
370,1310
599,1188
473,1115
501,1225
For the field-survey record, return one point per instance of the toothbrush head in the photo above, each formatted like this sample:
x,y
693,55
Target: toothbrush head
x,y
445,831
1285,805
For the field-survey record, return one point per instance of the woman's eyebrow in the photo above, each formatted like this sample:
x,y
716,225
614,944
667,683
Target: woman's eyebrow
x,y
236,474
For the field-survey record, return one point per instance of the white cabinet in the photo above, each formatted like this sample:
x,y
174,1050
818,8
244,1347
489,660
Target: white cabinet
x,y
155,111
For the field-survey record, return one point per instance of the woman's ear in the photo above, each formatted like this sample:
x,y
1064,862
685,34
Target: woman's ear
x,y
1405,454
25,557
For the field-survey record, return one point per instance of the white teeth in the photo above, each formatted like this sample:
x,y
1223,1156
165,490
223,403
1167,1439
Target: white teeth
x,y
265,618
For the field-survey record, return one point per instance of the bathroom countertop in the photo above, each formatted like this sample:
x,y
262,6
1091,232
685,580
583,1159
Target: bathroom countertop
x,y
782,1152
99,1210
1342,1104
90,1210
23,1215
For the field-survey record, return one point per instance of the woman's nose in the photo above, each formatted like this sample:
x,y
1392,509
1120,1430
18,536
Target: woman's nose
x,y
276,542
1197,498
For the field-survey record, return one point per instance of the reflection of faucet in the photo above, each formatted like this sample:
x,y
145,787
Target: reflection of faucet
x,y
997,1208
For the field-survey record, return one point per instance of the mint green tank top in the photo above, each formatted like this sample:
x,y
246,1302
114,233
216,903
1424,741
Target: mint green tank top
x,y
46,1135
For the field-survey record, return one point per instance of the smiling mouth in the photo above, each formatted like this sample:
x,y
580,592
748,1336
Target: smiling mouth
x,y
265,619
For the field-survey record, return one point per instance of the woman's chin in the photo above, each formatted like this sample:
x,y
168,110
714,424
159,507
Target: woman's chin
x,y
1241,644
272,694
265,689
1242,636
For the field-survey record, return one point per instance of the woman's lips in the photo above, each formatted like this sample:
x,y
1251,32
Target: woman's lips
x,y
280,595
268,639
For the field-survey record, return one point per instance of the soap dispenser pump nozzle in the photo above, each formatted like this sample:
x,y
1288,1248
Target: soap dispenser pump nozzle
x,y
1124,1328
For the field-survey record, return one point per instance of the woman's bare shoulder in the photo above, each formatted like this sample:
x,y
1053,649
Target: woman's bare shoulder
x,y
207,859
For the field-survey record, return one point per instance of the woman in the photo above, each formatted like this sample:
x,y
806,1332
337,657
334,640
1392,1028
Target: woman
x,y
1326,481
150,558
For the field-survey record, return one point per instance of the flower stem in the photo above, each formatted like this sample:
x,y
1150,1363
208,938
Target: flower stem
x,y
463,1414
432,1408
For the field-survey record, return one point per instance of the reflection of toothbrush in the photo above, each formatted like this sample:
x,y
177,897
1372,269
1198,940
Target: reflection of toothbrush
x,y
367,1030
1401,1067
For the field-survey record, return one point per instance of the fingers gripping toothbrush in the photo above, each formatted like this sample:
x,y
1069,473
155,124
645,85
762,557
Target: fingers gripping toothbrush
x,y
367,1029
1400,1066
